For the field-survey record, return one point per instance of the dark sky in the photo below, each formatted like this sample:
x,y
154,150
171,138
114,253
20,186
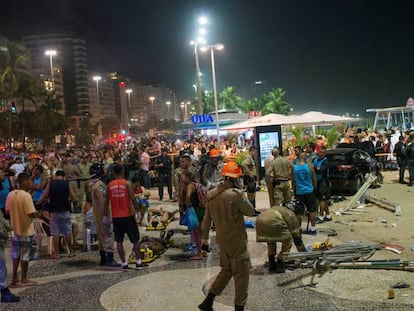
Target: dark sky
x,y
335,56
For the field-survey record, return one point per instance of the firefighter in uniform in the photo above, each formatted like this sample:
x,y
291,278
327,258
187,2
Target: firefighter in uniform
x,y
250,176
280,224
103,223
281,169
227,206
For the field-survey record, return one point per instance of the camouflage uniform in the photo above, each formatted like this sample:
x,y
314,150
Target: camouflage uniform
x,y
279,224
250,175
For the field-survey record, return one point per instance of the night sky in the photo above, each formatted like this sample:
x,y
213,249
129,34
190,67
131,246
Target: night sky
x,y
335,56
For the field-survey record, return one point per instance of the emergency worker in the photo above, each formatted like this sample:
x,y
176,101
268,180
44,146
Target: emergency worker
x,y
212,171
281,169
250,175
103,223
227,206
280,224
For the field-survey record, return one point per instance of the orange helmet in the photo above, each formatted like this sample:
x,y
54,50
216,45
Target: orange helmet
x,y
231,169
214,153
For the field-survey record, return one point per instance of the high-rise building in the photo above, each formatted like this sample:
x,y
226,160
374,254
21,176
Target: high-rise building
x,y
102,97
69,68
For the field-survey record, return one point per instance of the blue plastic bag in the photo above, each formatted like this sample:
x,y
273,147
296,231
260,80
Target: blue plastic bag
x,y
192,219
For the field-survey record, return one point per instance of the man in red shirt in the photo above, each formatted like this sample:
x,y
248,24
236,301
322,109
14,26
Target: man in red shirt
x,y
121,196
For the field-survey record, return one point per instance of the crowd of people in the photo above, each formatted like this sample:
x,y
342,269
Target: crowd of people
x,y
112,185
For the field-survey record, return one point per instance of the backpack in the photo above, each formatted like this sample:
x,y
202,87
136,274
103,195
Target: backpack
x,y
201,193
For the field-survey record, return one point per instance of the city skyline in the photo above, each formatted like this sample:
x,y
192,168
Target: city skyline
x,y
331,56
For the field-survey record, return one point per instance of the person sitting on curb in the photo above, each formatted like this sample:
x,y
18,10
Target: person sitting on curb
x,y
280,224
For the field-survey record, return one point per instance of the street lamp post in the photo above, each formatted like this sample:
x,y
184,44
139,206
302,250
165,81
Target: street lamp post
x,y
183,111
51,53
200,40
213,71
97,79
128,91
152,98
168,103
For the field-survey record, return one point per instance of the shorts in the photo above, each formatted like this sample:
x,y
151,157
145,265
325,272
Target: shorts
x,y
309,200
143,202
126,225
23,247
323,191
60,223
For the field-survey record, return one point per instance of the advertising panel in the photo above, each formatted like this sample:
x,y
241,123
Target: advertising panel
x,y
267,138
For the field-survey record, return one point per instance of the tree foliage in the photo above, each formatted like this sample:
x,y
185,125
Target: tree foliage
x,y
14,66
47,120
272,102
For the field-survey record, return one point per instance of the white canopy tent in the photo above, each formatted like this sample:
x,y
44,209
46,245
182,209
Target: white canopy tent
x,y
311,118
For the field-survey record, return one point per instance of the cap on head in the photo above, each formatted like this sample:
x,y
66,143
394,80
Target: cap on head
x,y
214,153
185,155
231,169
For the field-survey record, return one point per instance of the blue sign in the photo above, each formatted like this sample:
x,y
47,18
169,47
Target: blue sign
x,y
202,118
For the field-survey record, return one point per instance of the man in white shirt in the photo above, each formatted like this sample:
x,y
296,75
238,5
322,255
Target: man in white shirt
x,y
17,168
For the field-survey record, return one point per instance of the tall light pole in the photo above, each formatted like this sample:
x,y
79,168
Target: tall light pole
x,y
152,98
51,53
168,103
128,91
199,40
97,79
183,111
213,71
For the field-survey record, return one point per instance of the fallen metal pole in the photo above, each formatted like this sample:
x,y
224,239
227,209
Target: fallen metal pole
x,y
369,180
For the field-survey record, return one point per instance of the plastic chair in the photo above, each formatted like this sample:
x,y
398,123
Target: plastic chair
x,y
41,234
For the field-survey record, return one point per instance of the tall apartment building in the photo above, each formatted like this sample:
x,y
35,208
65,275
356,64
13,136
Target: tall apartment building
x,y
69,66
103,97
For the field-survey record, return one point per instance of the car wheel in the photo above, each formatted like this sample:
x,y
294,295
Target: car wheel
x,y
356,185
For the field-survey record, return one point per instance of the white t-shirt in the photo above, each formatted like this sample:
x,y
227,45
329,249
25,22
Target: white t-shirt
x,y
18,168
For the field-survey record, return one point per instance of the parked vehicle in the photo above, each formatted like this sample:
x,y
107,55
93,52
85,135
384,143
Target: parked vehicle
x,y
348,168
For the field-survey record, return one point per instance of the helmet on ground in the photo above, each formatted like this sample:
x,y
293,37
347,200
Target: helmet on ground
x,y
96,170
214,153
231,169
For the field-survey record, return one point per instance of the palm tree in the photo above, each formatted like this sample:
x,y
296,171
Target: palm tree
x,y
29,89
228,99
47,120
275,103
253,105
208,101
14,65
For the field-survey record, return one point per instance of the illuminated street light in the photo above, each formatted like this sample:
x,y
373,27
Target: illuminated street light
x,y
168,103
202,20
213,70
152,98
51,53
97,79
182,105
